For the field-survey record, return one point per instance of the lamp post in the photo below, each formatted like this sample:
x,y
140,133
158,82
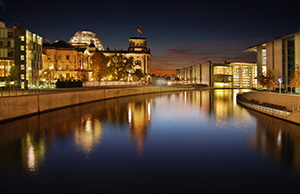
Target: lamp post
x,y
280,81
148,79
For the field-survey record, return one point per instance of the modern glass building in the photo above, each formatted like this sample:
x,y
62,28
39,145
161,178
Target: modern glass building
x,y
281,55
22,49
221,75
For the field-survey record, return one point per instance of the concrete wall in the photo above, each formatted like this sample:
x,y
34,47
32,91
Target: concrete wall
x,y
289,101
14,107
270,55
206,73
297,49
278,57
11,107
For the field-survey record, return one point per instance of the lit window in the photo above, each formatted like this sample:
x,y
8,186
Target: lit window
x,y
22,67
22,76
22,48
22,38
22,57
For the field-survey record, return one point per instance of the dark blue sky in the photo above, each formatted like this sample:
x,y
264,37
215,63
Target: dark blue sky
x,y
179,33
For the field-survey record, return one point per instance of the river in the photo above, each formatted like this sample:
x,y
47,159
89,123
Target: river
x,y
182,142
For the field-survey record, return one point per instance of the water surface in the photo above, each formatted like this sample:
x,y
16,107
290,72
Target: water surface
x,y
199,141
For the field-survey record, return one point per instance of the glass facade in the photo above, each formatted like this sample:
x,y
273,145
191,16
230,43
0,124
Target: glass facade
x,y
222,77
235,76
85,38
288,59
244,76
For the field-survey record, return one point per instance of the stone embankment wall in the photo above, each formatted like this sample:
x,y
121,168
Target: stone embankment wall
x,y
291,102
19,106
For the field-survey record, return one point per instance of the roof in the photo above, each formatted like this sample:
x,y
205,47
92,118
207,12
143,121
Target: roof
x,y
142,38
254,47
59,45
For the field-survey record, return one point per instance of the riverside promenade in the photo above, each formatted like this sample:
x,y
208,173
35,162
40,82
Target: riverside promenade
x,y
13,107
283,106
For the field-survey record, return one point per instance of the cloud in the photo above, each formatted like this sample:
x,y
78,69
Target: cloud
x,y
165,59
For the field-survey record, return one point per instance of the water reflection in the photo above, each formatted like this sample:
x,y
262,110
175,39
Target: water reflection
x,y
34,136
25,144
277,139
33,152
89,134
139,118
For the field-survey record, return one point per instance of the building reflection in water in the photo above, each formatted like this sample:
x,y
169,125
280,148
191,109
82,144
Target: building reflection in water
x,y
219,106
88,135
33,152
33,136
139,118
277,139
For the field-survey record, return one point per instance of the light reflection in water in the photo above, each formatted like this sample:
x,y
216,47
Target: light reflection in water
x,y
89,136
277,139
33,153
139,122
89,124
31,158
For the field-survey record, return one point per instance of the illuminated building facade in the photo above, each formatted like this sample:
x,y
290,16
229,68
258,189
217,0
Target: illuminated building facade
x,y
281,55
221,75
66,60
22,49
62,60
137,49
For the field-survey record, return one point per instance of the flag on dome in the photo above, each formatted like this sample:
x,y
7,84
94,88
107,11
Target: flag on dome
x,y
139,31
15,26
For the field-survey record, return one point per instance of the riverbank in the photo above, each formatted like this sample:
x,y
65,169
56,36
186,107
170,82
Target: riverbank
x,y
282,106
22,106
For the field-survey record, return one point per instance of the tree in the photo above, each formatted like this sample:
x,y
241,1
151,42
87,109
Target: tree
x,y
47,74
98,65
269,81
119,67
14,74
138,75
295,80
82,75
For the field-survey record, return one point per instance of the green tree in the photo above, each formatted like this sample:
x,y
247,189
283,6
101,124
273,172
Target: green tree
x,y
269,81
98,65
119,67
14,75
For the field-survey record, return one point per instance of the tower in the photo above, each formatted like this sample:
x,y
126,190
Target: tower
x,y
137,44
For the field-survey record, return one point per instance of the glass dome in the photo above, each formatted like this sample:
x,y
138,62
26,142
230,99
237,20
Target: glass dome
x,y
85,38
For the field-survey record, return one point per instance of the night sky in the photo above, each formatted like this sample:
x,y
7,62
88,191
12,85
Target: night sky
x,y
179,33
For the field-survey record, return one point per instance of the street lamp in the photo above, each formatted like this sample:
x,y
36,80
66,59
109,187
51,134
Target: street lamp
x,y
148,78
280,81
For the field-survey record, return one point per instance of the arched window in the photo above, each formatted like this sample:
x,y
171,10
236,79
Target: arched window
x,y
137,62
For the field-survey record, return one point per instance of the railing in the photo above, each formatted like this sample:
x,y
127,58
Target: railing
x,y
261,107
268,109
9,92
